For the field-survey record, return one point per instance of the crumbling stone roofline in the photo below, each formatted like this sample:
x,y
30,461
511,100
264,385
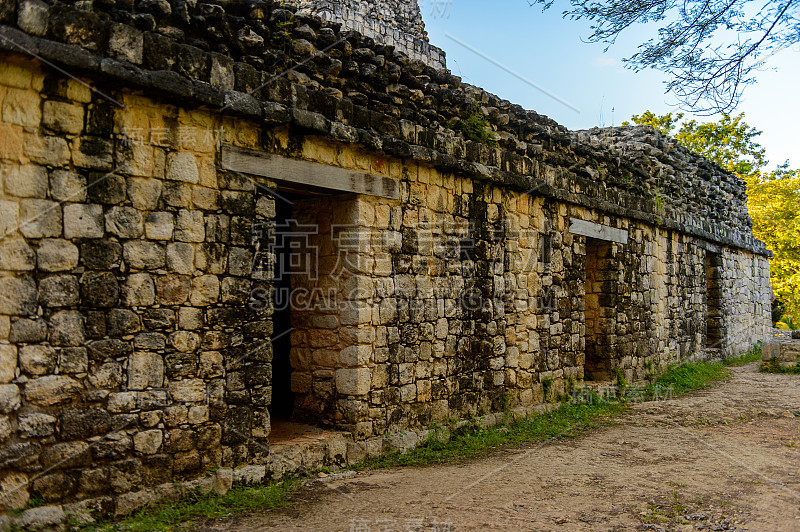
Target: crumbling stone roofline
x,y
344,86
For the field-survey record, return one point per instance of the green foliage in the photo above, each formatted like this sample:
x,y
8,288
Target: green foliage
x,y
773,366
195,506
475,125
773,200
788,323
663,123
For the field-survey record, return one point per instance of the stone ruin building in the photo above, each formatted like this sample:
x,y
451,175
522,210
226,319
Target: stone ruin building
x,y
221,219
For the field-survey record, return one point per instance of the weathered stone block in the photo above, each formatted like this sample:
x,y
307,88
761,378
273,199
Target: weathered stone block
x,y
108,376
39,218
139,290
16,255
144,193
83,221
145,370
67,455
190,318
148,441
121,322
125,222
62,117
27,181
205,290
149,340
9,217
67,328
44,518
14,490
240,261
8,363
67,186
120,402
59,291
56,255
51,390
172,289
211,258
37,359
46,150
126,43
182,166
198,414
36,425
159,225
355,381
73,360
32,17
184,341
19,296
211,365
188,390
143,255
180,258
101,254
21,107
99,289
190,226
217,228
9,398
355,355
82,424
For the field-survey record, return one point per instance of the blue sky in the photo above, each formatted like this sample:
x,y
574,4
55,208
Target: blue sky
x,y
549,52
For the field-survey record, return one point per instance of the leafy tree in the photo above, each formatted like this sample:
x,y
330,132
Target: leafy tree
x,y
773,200
710,49
773,197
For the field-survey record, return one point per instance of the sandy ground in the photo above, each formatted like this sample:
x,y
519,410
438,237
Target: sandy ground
x,y
726,458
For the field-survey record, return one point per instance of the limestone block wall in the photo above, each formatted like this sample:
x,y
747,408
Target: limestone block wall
x,y
472,300
130,355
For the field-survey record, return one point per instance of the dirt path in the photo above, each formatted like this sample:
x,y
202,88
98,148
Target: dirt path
x,y
727,458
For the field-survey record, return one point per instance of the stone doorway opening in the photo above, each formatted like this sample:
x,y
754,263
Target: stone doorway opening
x,y
713,265
305,313
600,309
282,405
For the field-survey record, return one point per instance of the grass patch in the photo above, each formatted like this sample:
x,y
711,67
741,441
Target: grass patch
x,y
685,378
195,506
754,355
472,440
773,366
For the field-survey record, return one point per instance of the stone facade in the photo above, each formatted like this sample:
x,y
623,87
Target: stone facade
x,y
394,22
194,244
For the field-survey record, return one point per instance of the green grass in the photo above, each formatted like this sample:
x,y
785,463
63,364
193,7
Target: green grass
x,y
472,440
772,366
195,507
754,355
689,377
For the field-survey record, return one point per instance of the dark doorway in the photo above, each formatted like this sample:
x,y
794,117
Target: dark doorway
x,y
599,310
713,264
282,405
